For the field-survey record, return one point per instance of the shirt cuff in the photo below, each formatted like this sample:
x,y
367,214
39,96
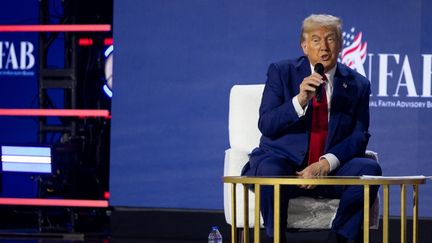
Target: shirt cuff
x,y
332,160
299,110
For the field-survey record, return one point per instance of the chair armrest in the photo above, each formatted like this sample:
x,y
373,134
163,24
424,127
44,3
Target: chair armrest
x,y
235,159
371,155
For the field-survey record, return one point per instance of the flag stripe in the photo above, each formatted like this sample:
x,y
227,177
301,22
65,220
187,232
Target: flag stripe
x,y
354,45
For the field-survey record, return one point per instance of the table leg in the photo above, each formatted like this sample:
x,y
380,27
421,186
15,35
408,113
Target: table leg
x,y
366,214
233,214
415,213
385,213
403,213
257,213
276,213
246,213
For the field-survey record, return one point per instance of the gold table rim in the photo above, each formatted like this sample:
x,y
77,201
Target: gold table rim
x,y
327,180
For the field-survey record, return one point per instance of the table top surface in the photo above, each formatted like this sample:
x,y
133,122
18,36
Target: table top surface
x,y
328,180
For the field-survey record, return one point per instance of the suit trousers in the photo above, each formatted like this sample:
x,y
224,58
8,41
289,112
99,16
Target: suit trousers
x,y
349,216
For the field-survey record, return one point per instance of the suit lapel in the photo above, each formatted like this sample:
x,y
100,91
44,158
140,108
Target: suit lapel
x,y
341,87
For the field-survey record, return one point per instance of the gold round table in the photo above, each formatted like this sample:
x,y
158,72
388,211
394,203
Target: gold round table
x,y
365,181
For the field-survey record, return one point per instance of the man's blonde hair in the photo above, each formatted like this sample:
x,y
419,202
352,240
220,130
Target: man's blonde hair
x,y
316,21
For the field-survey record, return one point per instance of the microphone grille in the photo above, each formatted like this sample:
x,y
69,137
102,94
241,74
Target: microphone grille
x,y
319,68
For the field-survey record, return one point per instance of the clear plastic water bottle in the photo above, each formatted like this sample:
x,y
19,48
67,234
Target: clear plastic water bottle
x,y
215,236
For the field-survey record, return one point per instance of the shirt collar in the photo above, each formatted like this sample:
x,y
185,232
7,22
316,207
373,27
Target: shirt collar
x,y
330,74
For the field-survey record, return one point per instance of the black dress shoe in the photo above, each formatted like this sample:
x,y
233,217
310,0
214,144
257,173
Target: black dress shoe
x,y
336,238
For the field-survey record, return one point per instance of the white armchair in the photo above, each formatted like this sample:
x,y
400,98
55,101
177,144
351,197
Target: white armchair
x,y
244,137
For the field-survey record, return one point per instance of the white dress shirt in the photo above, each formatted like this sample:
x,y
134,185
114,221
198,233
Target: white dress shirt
x,y
331,158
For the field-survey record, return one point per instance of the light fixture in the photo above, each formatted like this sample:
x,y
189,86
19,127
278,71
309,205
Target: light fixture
x,y
26,159
108,71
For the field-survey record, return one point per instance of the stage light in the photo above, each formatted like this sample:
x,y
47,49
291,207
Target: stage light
x,y
26,159
107,91
85,41
108,41
107,88
108,51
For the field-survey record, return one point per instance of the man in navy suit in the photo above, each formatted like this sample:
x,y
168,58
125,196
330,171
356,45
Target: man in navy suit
x,y
285,123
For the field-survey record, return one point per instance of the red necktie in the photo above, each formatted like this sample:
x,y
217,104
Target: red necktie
x,y
319,127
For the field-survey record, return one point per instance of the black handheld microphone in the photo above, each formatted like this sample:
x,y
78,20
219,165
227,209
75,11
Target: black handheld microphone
x,y
319,68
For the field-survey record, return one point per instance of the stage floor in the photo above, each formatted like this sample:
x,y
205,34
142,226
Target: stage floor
x,y
100,240
299,237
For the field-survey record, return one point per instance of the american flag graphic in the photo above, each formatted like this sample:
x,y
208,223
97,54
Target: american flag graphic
x,y
354,50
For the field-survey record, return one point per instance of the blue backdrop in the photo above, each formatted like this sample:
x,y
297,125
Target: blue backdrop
x,y
175,62
18,89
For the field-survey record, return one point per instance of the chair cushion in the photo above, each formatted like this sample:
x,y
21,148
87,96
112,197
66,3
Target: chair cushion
x,y
311,213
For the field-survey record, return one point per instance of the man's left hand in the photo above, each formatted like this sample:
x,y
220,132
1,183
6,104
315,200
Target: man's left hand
x,y
320,168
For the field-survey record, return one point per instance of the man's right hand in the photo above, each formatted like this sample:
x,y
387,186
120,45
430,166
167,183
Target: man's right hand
x,y
308,88
317,169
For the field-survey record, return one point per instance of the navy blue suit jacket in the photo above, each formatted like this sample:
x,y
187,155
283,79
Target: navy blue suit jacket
x,y
286,135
